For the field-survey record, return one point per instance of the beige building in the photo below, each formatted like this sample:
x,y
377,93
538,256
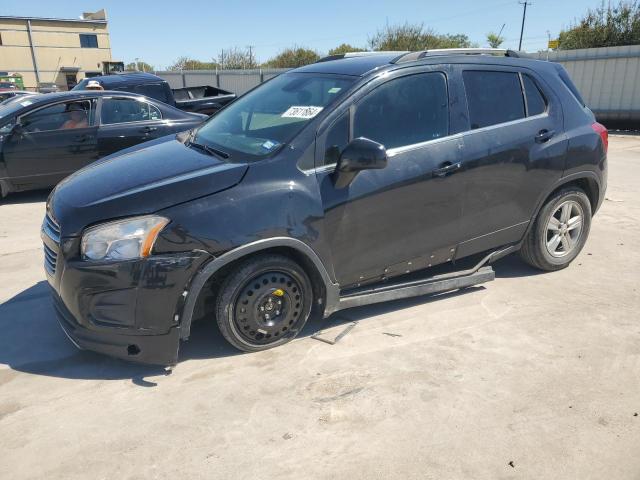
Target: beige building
x,y
51,50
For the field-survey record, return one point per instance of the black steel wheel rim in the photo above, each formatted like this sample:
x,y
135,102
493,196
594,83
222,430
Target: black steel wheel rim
x,y
268,307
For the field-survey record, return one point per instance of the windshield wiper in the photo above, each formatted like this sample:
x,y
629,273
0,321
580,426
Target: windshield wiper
x,y
206,148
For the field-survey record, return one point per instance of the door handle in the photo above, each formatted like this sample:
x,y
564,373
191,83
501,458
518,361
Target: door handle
x,y
81,138
447,168
544,135
149,129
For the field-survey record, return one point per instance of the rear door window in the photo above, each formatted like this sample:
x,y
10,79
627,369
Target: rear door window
x,y
127,110
493,97
405,111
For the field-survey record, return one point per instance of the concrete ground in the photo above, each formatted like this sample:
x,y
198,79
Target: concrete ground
x,y
532,376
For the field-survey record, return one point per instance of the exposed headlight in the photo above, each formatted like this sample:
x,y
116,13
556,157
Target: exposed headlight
x,y
123,239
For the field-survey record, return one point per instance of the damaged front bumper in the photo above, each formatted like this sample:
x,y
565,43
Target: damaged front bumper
x,y
130,309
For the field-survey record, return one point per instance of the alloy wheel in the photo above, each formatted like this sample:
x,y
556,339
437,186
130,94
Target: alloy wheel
x,y
564,229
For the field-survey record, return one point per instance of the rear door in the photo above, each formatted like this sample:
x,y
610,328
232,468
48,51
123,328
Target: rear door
x,y
406,216
127,121
52,142
513,150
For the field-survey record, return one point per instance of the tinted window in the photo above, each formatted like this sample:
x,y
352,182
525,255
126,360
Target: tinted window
x,y
337,138
88,40
61,116
125,110
493,97
405,111
535,101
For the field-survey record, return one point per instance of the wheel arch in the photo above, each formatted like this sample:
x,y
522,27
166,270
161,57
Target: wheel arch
x,y
587,181
303,254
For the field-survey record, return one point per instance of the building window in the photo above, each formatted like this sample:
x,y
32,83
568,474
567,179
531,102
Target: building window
x,y
0,39
88,41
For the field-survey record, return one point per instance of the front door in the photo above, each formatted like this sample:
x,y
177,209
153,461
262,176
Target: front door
x,y
513,150
404,217
51,143
126,121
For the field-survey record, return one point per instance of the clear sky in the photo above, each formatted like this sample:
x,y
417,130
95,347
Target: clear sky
x,y
160,31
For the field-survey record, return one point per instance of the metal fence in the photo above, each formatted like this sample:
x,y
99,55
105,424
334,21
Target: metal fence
x,y
236,81
608,79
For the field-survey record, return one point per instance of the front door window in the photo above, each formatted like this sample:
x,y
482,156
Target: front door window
x,y
61,116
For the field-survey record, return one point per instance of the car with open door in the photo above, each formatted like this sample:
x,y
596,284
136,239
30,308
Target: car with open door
x,y
44,138
357,179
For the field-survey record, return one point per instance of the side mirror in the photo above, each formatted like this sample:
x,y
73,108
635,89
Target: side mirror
x,y
10,128
360,154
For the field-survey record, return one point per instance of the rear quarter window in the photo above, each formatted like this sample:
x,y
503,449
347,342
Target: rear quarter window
x,y
536,104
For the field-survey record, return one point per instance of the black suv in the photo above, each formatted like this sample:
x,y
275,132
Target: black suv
x,y
357,179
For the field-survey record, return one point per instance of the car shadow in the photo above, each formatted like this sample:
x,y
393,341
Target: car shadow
x,y
513,266
32,341
34,196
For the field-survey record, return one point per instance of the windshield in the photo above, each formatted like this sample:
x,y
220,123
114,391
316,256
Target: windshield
x,y
270,116
13,105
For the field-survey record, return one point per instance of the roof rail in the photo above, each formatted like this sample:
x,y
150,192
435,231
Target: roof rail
x,y
412,56
338,56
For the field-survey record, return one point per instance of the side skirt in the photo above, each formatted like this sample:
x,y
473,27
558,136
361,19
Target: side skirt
x,y
480,273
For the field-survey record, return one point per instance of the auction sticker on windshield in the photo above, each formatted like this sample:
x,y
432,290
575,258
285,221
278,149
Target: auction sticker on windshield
x,y
301,112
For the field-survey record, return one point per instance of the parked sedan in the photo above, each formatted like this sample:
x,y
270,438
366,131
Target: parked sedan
x,y
44,138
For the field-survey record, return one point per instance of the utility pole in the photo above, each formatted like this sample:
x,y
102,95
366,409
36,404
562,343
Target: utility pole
x,y
250,47
524,15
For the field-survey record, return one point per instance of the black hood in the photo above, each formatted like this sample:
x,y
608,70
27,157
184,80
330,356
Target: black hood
x,y
138,181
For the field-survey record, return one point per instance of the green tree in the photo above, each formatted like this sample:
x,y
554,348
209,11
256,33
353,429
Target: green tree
x,y
140,66
345,48
186,63
494,40
604,27
292,58
414,37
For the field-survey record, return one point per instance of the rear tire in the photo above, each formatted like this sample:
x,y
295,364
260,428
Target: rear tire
x,y
559,232
264,303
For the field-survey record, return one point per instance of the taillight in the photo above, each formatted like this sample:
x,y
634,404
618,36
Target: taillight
x,y
604,134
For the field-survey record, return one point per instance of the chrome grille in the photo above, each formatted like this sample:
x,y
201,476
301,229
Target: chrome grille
x,y
51,230
50,259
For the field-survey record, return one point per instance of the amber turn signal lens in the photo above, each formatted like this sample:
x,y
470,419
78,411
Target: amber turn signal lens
x,y
147,245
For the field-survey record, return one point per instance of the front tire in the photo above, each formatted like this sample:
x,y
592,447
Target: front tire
x,y
265,302
559,231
